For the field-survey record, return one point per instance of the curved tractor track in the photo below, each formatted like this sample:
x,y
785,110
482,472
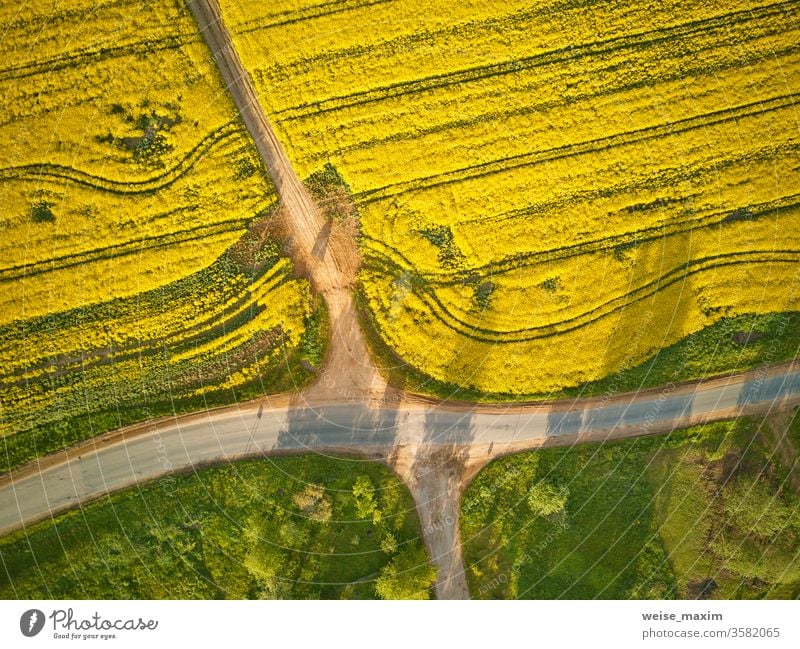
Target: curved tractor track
x,y
435,447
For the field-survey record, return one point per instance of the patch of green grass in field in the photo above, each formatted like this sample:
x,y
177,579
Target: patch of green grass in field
x,y
697,513
290,527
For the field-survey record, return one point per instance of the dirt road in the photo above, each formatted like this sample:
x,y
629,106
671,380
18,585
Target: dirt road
x,y
435,477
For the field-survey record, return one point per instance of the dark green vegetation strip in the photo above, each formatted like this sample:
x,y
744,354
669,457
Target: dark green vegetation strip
x,y
794,431
731,345
697,513
301,527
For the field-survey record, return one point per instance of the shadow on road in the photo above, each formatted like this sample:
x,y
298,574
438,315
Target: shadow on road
x,y
350,425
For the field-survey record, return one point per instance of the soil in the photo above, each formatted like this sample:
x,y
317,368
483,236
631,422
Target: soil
x,y
323,250
436,480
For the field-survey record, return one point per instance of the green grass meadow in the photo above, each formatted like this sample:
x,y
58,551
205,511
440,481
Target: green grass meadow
x,y
699,513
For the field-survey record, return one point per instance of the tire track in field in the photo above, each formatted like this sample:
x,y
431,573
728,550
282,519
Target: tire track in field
x,y
35,23
383,257
491,118
37,171
82,59
752,110
175,237
302,14
242,309
688,30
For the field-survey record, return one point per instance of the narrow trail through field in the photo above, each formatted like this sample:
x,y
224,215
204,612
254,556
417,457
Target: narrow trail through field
x,y
330,263
435,477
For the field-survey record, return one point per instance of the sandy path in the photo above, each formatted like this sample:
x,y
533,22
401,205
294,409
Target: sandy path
x,y
435,478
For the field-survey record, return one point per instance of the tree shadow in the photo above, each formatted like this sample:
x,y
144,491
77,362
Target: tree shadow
x,y
321,243
350,427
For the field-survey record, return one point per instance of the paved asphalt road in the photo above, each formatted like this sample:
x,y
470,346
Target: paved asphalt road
x,y
182,444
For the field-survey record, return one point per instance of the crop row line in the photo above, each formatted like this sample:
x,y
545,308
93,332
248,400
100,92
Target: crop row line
x,y
696,67
310,12
753,110
37,22
22,71
380,255
123,249
386,49
37,171
235,313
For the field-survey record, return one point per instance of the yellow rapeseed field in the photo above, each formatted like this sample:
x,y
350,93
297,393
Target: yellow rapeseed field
x,y
117,132
549,190
126,183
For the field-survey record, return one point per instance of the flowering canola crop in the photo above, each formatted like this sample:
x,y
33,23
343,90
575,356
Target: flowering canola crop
x,y
548,190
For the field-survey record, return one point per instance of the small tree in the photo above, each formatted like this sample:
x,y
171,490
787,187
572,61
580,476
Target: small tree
x,y
407,576
389,543
41,212
364,494
313,502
